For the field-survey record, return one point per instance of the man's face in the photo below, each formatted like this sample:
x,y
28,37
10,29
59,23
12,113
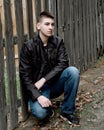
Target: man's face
x,y
46,26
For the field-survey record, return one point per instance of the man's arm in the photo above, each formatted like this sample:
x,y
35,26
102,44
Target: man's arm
x,y
40,83
62,62
25,70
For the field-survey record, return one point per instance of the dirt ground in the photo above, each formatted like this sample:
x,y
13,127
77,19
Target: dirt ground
x,y
89,104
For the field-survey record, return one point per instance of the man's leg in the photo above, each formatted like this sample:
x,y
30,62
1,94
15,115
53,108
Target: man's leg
x,y
67,83
37,110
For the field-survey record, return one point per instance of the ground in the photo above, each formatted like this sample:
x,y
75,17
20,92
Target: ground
x,y
89,104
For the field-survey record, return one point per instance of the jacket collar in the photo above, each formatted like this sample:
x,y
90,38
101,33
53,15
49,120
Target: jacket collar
x,y
50,40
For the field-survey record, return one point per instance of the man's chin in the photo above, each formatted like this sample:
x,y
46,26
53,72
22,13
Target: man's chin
x,y
49,35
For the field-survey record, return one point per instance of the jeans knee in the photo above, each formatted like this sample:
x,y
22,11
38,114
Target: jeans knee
x,y
39,113
73,71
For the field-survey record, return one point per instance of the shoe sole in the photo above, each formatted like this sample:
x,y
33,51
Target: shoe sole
x,y
65,119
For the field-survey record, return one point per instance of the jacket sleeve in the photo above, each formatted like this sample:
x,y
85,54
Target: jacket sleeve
x,y
25,70
62,62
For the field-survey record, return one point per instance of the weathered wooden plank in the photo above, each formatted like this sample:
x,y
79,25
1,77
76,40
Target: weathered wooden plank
x,y
3,117
10,60
76,38
91,31
94,30
20,35
101,29
92,24
47,5
81,60
84,33
71,25
68,29
103,25
29,9
37,5
88,32
19,23
98,27
60,10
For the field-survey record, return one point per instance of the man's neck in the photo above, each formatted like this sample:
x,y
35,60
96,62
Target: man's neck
x,y
44,39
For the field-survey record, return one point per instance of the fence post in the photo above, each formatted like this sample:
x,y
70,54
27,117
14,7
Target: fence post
x,y
3,117
37,5
10,60
30,18
20,35
19,23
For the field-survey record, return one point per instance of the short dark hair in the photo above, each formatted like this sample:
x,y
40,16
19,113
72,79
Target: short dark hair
x,y
45,14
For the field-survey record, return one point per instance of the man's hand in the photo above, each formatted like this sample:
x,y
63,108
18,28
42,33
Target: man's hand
x,y
43,101
40,83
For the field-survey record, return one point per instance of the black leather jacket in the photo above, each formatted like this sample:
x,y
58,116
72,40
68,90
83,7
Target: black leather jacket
x,y
36,61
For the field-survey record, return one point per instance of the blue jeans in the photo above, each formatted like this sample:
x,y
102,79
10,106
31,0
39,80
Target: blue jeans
x,y
68,84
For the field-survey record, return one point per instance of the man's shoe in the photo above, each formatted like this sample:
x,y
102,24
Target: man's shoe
x,y
72,118
47,119
52,114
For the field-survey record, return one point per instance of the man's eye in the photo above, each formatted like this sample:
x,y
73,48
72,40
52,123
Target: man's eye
x,y
53,24
46,23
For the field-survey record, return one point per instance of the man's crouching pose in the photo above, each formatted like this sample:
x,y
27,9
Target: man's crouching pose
x,y
45,73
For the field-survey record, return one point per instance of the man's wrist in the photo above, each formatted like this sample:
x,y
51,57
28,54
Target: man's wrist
x,y
40,83
44,80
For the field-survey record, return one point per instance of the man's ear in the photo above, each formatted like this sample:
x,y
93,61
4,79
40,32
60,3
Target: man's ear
x,y
38,26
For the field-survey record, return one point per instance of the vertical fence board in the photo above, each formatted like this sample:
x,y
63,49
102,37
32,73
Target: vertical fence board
x,y
29,9
81,37
76,38
94,30
91,31
20,35
37,8
60,10
3,116
98,28
46,5
92,14
103,25
88,32
84,34
68,29
10,64
19,23
71,21
101,29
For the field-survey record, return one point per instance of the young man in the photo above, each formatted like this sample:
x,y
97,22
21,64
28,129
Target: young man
x,y
45,72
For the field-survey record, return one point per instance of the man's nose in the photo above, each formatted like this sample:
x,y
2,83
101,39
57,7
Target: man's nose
x,y
51,27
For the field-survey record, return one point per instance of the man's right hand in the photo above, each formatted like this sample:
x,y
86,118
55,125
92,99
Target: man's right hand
x,y
43,101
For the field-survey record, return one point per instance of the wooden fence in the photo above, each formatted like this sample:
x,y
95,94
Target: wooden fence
x,y
79,22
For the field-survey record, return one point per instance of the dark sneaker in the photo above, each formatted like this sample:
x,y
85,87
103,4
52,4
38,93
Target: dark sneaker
x,y
52,114
72,118
46,120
